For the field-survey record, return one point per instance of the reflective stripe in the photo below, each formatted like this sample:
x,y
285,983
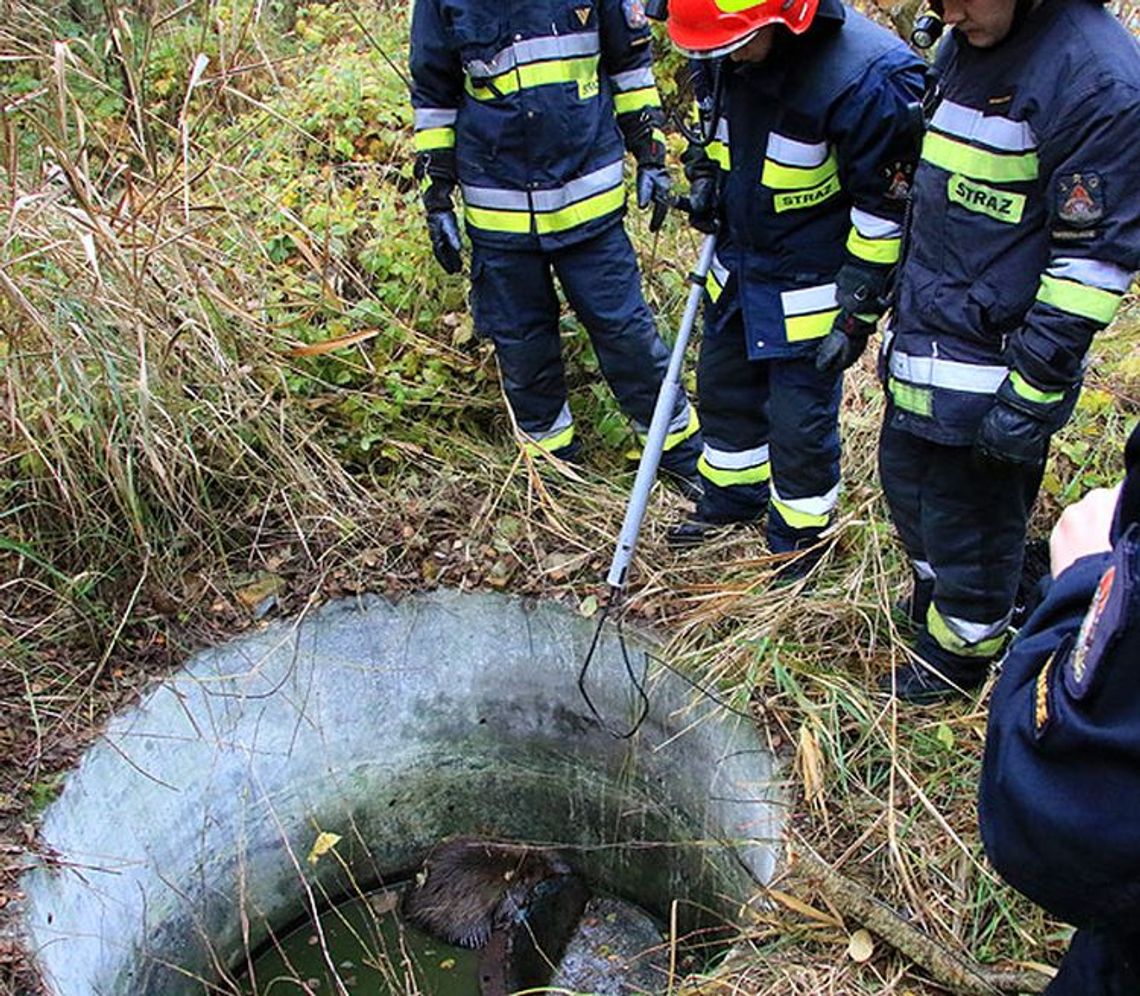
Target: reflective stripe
x,y
792,152
1094,272
806,198
633,79
534,74
727,468
582,199
874,250
809,312
717,279
683,426
1001,205
908,397
958,157
434,138
871,226
952,375
560,433
963,637
1079,299
636,100
435,117
544,48
975,127
780,177
719,154
806,513
924,569
1026,390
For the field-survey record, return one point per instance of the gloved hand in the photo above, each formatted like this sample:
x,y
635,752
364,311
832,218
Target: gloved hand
x,y
653,186
703,204
1013,433
443,230
844,344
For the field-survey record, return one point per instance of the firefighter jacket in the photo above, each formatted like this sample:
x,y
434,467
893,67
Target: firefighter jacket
x,y
1059,799
526,103
1025,222
815,148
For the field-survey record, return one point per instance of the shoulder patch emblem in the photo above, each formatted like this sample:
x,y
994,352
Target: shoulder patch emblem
x,y
1080,199
1098,626
898,176
634,11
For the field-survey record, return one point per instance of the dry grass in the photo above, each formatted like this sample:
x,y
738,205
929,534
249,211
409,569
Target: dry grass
x,y
167,465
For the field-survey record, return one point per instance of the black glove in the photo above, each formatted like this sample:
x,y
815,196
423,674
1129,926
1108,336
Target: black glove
x,y
443,230
1013,433
844,344
703,204
653,186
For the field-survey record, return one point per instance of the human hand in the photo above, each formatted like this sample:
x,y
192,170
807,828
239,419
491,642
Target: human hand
x,y
443,230
703,204
653,186
1012,435
1082,528
844,344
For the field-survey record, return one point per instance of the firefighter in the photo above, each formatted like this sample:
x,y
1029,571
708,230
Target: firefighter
x,y
1024,234
529,109
1060,793
815,121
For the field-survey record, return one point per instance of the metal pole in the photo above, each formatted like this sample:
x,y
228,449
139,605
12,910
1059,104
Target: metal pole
x,y
659,426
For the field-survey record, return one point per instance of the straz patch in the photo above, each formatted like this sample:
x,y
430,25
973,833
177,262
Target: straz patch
x,y
982,199
1100,625
798,199
1080,199
634,11
898,176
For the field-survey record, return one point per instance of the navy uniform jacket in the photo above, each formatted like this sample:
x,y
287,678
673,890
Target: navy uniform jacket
x,y
1060,790
817,146
523,100
1025,223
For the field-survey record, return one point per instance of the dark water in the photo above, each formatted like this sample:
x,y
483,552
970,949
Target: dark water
x,y
371,952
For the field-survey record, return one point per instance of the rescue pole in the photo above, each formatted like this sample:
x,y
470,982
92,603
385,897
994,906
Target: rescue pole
x,y
639,498
658,429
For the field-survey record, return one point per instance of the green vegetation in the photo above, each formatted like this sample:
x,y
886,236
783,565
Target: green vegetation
x,y
231,369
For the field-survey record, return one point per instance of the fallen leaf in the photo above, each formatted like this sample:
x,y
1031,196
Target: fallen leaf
x,y
324,843
588,606
799,906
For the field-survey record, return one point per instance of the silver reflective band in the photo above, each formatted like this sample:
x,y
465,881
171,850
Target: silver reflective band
x,y
680,421
924,569
951,375
791,152
738,460
635,79
871,226
808,300
977,128
435,117
1093,272
534,50
496,198
975,632
562,422
815,505
597,182
720,272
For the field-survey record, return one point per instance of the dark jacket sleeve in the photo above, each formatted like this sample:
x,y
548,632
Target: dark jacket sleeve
x,y
1088,166
627,59
437,91
1059,801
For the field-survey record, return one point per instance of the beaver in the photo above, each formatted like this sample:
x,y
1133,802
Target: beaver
x,y
470,887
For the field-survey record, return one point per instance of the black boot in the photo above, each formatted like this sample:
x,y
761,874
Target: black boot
x,y
698,527
934,675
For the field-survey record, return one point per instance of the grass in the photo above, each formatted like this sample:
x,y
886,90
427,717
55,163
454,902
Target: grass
x,y
173,449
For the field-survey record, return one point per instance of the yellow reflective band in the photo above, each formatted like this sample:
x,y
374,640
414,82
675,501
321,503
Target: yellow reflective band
x,y
873,250
806,198
658,135
582,71
635,100
1079,299
435,138
713,287
797,519
727,478
781,177
977,197
947,639
798,328
981,164
584,210
551,443
734,6
676,438
908,397
1026,390
498,221
718,153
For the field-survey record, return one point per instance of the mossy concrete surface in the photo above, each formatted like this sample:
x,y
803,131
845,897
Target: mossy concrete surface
x,y
184,836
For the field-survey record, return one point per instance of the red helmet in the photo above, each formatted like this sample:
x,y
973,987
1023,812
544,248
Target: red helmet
x,y
707,28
